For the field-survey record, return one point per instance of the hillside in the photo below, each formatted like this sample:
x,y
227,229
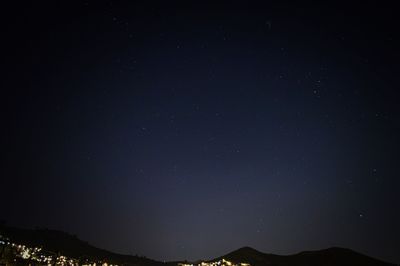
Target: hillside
x,y
326,257
69,245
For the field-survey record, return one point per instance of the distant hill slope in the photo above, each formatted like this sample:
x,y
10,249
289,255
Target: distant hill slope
x,y
69,245
326,257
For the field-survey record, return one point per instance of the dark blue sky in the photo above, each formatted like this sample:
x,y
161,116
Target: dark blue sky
x,y
184,132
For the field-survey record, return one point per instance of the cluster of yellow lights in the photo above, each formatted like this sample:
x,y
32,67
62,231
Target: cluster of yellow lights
x,y
35,254
222,262
100,264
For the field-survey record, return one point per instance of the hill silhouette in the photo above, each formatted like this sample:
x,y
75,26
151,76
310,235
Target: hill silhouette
x,y
327,257
71,246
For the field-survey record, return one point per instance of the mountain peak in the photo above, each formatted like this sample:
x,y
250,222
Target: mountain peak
x,y
246,249
243,252
331,257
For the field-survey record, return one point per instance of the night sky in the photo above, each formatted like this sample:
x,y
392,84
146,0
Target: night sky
x,y
188,131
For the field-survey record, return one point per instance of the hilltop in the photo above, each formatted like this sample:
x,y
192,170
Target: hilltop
x,y
328,257
59,242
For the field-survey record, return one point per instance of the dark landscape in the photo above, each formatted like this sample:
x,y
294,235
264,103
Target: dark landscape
x,y
57,243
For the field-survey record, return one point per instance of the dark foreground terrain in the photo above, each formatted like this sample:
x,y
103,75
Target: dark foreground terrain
x,y
327,257
21,247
